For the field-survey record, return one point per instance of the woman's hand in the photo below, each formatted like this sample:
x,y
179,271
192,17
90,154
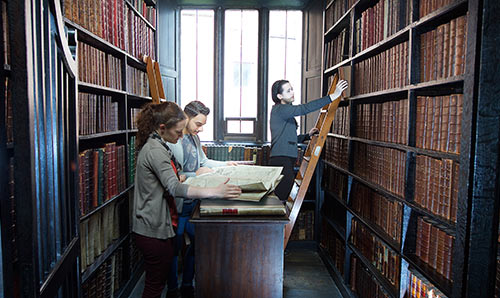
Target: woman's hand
x,y
231,163
341,86
313,131
227,191
203,170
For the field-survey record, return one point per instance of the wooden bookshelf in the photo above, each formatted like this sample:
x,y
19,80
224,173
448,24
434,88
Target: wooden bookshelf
x,y
404,82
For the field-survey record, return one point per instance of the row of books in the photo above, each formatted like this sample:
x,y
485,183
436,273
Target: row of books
x,y
386,70
341,121
383,166
225,152
97,113
426,7
336,152
420,287
108,278
99,68
336,50
113,21
304,226
434,246
438,122
141,38
8,112
134,112
148,12
102,175
375,208
335,182
137,81
380,21
386,122
334,245
97,233
442,50
383,258
335,11
131,158
436,186
363,283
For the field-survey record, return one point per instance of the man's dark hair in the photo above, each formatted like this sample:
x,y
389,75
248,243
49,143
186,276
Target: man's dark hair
x,y
195,108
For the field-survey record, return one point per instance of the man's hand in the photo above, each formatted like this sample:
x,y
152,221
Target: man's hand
x,y
313,131
182,178
231,163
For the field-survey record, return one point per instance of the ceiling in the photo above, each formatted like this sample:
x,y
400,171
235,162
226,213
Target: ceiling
x,y
295,4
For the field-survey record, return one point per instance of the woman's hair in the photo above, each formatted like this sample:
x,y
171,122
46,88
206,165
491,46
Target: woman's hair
x,y
195,108
276,89
152,115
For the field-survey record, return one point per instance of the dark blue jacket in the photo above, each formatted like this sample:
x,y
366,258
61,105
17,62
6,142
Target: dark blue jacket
x,y
284,127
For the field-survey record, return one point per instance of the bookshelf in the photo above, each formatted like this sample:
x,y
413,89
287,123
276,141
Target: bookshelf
x,y
113,86
394,212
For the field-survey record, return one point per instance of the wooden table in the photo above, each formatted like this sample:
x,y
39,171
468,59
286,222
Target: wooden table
x,y
239,256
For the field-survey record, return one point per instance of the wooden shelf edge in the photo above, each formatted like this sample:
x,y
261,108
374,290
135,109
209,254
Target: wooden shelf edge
x,y
439,12
389,39
339,21
90,86
101,134
385,92
140,15
432,277
103,205
340,64
103,257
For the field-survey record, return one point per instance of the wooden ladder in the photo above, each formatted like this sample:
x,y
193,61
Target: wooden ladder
x,y
310,160
154,77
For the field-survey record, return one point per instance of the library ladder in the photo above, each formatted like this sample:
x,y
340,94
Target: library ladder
x,y
154,78
310,160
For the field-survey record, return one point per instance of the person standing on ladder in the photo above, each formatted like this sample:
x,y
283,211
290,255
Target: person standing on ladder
x,y
284,137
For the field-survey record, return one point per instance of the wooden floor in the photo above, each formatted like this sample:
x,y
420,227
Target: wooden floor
x,y
305,275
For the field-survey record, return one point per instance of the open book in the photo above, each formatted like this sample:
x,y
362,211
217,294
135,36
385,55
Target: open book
x,y
255,181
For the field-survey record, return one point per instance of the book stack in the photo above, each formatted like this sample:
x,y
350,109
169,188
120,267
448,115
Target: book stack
x,y
224,152
335,11
134,112
334,245
98,68
304,226
383,258
141,37
419,287
380,165
434,246
438,122
383,71
363,283
97,113
442,50
148,12
135,255
336,50
385,122
380,21
436,186
131,156
102,175
336,152
340,124
97,233
137,81
108,278
335,182
377,209
426,7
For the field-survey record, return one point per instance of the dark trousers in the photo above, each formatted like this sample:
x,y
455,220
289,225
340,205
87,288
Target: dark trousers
x,y
285,186
158,255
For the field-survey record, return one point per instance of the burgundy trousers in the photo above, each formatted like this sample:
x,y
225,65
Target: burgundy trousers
x,y
158,255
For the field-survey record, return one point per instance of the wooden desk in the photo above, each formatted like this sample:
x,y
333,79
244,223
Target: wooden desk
x,y
239,256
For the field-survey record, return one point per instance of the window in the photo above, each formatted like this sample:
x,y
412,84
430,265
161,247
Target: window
x,y
241,45
285,53
197,62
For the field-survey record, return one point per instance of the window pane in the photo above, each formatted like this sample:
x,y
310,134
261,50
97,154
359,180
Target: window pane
x,y
240,126
197,62
285,52
240,64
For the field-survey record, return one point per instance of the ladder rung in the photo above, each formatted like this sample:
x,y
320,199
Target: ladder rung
x,y
308,158
295,190
298,182
289,206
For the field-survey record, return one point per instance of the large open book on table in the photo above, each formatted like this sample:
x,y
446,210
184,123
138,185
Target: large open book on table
x,y
255,181
269,205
